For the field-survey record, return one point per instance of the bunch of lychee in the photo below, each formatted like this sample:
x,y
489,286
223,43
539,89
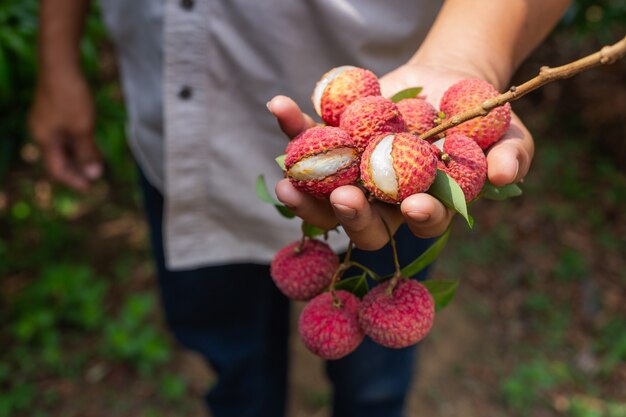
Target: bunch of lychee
x,y
396,313
371,141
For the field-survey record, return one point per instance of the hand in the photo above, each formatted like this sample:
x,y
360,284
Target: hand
x,y
61,122
508,162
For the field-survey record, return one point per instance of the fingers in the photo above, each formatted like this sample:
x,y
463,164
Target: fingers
x,y
363,221
60,166
508,161
425,215
310,209
88,157
290,118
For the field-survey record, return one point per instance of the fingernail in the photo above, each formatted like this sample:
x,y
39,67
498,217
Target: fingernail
x,y
516,169
345,211
269,106
92,171
418,216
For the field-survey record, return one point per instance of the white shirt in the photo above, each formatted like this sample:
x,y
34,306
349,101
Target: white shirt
x,y
197,75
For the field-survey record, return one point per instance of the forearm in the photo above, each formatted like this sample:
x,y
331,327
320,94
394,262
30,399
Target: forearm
x,y
489,38
60,30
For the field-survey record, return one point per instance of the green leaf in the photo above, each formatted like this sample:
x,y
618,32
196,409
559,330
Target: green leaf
x,y
406,93
443,291
446,190
280,160
356,285
264,195
491,192
311,231
427,257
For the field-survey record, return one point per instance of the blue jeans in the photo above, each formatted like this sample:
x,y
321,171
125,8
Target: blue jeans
x,y
235,317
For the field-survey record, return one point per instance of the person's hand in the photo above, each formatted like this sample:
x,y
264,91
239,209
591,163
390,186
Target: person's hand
x,y
426,216
61,122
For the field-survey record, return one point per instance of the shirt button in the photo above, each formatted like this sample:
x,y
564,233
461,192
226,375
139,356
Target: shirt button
x,y
185,92
186,4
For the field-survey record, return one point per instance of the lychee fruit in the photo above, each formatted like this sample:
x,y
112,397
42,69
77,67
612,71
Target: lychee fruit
x,y
468,94
329,327
398,165
339,87
369,117
321,159
397,317
301,271
463,160
418,114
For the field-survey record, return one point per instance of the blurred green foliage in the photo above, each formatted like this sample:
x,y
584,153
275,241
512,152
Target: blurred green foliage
x,y
602,20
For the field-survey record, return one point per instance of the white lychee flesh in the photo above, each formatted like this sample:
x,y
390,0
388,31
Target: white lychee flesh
x,y
323,83
381,166
322,165
439,144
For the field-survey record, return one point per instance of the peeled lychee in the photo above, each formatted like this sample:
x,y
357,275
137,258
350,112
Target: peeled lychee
x,y
397,318
330,328
470,93
339,87
463,160
369,117
418,114
321,159
396,166
303,272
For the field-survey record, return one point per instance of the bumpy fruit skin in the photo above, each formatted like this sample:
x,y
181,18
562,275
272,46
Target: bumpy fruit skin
x,y
464,161
369,117
418,114
467,94
329,331
348,86
315,141
399,319
303,274
414,162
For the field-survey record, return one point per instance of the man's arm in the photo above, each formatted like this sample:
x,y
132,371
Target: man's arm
x,y
470,38
62,116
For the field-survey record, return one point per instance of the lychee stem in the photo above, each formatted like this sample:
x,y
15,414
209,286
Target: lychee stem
x,y
607,55
365,269
343,267
396,261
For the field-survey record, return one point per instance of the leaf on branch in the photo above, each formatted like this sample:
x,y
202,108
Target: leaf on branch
x,y
280,160
264,195
427,257
443,291
311,231
491,192
446,190
356,285
406,93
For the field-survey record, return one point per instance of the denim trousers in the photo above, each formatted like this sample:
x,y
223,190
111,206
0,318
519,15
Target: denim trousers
x,y
234,316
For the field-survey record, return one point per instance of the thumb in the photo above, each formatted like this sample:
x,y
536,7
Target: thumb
x,y
290,118
88,157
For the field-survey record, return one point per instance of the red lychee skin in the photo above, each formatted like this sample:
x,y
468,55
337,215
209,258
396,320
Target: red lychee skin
x,y
465,163
399,319
414,162
329,331
348,86
467,94
317,140
302,274
418,114
369,117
